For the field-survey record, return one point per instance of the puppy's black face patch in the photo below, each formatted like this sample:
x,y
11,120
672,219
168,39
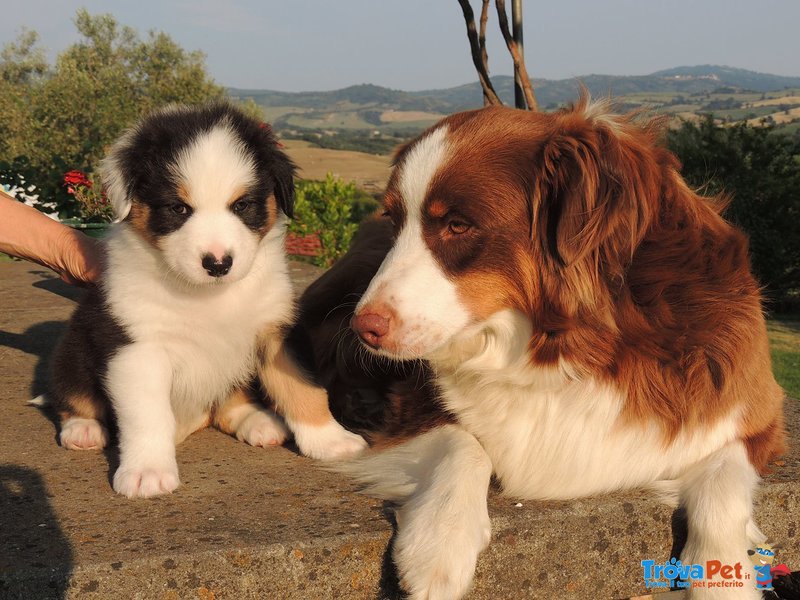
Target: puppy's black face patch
x,y
168,215
148,166
203,182
252,210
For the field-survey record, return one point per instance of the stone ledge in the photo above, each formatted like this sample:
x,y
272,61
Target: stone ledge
x,y
255,523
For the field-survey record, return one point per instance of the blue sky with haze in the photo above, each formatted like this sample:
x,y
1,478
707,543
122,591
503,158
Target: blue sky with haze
x,y
295,45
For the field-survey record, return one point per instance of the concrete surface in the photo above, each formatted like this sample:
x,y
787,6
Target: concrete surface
x,y
267,523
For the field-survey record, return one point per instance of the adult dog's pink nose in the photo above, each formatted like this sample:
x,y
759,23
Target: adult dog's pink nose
x,y
370,327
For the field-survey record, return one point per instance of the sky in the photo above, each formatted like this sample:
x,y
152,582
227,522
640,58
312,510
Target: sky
x,y
303,45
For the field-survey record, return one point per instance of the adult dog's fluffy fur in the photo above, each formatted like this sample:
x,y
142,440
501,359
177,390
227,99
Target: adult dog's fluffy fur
x,y
194,300
587,322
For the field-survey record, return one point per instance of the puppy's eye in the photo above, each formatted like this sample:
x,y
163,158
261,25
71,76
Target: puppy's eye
x,y
240,205
458,226
180,209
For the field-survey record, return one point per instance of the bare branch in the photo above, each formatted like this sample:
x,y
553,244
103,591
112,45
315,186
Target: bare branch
x,y
519,60
482,34
489,95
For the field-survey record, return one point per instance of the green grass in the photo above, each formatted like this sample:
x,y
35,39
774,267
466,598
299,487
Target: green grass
x,y
271,113
784,338
329,120
650,97
738,114
676,108
783,93
788,128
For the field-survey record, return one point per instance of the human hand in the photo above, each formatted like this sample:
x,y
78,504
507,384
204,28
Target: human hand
x,y
78,258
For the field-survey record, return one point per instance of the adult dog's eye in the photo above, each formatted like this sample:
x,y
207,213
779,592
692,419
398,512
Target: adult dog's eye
x,y
458,226
180,209
240,205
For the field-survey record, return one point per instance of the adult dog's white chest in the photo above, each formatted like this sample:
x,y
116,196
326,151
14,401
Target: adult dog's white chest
x,y
207,333
552,434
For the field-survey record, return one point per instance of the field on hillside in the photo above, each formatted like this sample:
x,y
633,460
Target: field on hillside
x,y
375,128
727,106
369,171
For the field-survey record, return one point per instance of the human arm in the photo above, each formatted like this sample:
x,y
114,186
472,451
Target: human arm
x,y
27,233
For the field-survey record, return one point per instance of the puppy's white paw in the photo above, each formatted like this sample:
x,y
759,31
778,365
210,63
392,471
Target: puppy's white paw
x,y
435,556
83,434
262,428
147,481
327,442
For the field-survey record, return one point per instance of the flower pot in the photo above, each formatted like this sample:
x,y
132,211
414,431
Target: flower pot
x,y
95,230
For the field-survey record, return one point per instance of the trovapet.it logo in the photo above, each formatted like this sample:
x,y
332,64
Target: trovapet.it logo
x,y
762,557
711,574
714,573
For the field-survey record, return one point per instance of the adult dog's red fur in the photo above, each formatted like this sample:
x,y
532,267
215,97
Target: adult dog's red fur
x,y
626,273
589,323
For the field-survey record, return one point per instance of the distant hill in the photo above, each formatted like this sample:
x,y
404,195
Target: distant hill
x,y
733,77
374,118
362,95
682,80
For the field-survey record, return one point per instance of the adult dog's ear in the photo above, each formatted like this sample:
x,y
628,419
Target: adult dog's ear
x,y
594,188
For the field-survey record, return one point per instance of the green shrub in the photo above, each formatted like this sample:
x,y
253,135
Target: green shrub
x,y
324,208
60,117
363,205
760,169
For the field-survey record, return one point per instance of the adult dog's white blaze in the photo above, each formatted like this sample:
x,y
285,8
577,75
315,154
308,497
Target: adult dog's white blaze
x,y
423,302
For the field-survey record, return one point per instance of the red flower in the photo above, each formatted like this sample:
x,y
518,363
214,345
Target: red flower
x,y
76,178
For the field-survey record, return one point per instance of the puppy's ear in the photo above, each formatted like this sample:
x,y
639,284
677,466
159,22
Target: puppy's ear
x,y
594,189
283,171
276,162
115,183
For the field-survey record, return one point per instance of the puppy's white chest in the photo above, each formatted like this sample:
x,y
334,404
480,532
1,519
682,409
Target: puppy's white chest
x,y
209,353
207,335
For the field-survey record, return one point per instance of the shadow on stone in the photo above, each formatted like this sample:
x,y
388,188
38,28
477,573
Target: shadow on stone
x,y
37,559
51,283
390,581
38,340
680,531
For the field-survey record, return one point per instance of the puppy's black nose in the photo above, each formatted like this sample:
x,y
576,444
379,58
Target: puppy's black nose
x,y
217,267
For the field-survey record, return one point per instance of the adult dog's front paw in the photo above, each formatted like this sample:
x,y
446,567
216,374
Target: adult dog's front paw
x,y
327,442
146,481
435,556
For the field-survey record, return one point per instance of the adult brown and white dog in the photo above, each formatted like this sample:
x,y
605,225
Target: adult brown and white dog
x,y
590,324
195,300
